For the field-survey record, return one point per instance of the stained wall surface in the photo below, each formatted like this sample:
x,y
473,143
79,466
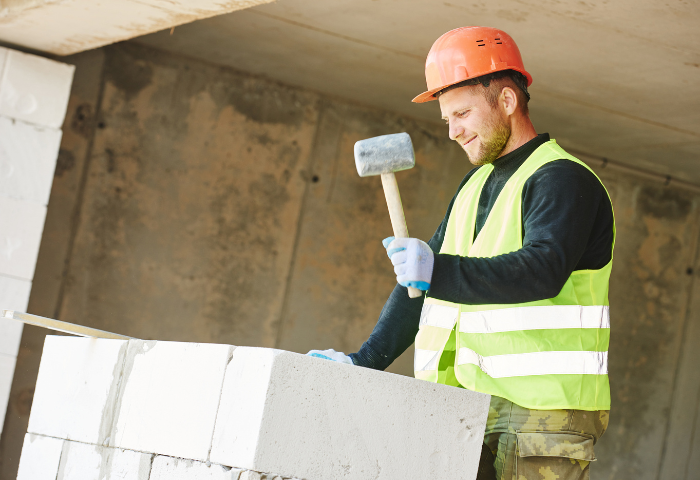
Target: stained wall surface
x,y
196,203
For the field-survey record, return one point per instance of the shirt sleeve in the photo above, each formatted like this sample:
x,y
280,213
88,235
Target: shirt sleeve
x,y
397,326
561,204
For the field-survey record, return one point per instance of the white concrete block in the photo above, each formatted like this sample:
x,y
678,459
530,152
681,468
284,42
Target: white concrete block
x,y
40,458
168,468
21,225
315,419
28,156
81,461
77,388
14,295
7,370
170,397
249,475
34,89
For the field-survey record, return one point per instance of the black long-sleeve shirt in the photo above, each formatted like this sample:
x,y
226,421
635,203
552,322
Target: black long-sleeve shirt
x,y
567,226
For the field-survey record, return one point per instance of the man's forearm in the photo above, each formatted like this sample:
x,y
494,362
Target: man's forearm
x,y
394,333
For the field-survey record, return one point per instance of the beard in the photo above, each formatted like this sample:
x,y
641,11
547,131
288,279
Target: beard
x,y
493,143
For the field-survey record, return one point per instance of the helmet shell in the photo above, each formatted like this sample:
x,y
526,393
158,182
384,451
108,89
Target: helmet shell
x,y
469,52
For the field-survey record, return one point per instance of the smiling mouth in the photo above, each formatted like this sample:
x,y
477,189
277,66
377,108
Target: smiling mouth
x,y
468,142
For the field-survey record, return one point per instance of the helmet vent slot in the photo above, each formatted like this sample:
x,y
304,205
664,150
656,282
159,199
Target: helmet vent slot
x,y
498,41
480,43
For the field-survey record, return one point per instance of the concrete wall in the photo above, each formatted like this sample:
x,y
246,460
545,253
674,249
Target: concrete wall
x,y
195,203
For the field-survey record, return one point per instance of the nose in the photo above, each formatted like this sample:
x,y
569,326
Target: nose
x,y
455,130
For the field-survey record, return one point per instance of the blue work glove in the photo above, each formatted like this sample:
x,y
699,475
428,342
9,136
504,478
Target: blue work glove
x,y
413,261
331,355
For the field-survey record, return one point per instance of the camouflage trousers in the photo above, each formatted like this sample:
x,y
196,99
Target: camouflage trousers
x,y
528,444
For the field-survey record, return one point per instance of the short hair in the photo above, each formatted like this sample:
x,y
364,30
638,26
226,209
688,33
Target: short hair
x,y
491,90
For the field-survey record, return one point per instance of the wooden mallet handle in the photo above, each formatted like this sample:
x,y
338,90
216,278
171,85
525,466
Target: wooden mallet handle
x,y
398,220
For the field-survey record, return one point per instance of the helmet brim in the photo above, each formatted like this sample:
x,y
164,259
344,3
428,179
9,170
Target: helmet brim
x,y
429,96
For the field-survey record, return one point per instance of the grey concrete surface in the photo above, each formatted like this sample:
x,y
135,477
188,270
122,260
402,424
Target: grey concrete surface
x,y
64,27
629,67
195,202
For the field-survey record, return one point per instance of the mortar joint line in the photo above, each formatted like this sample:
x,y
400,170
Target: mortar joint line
x,y
229,357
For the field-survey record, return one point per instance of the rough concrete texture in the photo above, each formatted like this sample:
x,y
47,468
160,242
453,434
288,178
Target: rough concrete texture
x,y
64,27
250,475
275,411
144,396
581,55
316,419
32,88
171,236
48,458
40,458
655,268
80,461
77,388
168,468
168,398
250,180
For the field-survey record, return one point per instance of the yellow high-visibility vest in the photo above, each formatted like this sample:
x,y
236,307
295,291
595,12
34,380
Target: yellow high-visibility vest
x,y
548,354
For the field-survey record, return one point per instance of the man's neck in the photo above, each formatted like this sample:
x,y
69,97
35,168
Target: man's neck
x,y
522,132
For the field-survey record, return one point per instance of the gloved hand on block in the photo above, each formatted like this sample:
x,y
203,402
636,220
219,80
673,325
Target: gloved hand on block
x,y
413,261
331,354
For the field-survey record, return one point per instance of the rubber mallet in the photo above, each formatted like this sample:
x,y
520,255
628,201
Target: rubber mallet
x,y
384,156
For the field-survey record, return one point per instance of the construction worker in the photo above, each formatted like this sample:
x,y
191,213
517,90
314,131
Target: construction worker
x,y
516,274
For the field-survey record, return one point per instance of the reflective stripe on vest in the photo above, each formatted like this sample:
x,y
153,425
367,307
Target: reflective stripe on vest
x,y
534,318
440,316
545,354
424,360
537,363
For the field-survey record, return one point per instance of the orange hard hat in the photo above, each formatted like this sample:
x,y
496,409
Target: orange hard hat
x,y
469,52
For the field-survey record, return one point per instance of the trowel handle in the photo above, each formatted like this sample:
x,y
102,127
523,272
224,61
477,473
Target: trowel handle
x,y
398,220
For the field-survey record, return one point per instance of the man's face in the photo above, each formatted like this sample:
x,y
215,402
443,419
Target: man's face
x,y
481,130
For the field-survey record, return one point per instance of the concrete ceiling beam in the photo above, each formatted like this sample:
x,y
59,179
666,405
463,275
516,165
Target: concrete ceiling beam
x,y
64,27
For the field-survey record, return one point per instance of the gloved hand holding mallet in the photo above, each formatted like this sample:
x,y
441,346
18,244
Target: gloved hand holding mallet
x,y
383,156
412,258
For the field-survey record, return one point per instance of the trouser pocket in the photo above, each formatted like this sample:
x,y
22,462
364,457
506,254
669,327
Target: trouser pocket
x,y
560,455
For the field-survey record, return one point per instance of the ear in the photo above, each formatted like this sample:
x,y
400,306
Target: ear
x,y
508,100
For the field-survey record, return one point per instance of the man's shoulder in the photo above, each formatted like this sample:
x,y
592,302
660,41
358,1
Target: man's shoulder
x,y
563,173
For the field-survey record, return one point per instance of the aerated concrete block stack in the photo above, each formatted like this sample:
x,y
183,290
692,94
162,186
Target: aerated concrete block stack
x,y
150,410
33,98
